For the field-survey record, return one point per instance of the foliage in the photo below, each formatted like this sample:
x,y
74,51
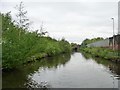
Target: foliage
x,y
17,51
75,46
102,53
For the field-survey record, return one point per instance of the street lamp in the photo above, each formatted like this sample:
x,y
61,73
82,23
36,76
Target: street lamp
x,y
113,33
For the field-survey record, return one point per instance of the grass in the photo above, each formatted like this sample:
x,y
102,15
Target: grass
x,y
104,53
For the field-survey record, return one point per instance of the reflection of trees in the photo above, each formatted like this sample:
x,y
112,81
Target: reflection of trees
x,y
13,79
33,84
50,62
86,56
18,78
113,67
47,63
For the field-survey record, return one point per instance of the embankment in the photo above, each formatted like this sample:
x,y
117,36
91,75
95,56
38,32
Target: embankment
x,y
104,53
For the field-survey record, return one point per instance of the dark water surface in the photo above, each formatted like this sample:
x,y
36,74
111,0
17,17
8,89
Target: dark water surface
x,y
65,71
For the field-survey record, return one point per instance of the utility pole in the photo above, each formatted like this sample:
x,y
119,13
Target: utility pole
x,y
118,32
119,18
113,34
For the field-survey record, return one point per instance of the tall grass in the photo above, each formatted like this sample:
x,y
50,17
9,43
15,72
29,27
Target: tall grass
x,y
102,53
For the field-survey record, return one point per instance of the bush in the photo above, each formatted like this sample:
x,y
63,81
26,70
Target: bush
x,y
102,53
19,45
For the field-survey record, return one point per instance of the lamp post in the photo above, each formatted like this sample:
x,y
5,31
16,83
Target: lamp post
x,y
113,33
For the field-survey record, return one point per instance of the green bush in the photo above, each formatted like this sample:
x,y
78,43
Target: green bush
x,y
19,45
102,53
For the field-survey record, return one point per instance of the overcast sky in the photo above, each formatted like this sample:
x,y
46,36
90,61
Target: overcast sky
x,y
75,20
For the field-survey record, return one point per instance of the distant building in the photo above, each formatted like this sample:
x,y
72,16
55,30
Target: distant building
x,y
101,43
108,43
116,42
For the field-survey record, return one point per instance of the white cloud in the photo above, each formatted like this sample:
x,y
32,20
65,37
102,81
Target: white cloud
x,y
74,20
62,0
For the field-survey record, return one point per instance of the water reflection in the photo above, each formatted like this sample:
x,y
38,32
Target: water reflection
x,y
113,67
33,84
79,72
65,71
19,78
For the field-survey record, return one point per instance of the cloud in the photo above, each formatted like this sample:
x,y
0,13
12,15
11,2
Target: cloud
x,y
62,0
74,20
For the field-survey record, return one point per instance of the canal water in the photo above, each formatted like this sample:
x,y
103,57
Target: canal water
x,y
65,71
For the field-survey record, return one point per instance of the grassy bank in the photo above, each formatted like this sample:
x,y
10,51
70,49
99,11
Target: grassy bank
x,y
21,46
104,53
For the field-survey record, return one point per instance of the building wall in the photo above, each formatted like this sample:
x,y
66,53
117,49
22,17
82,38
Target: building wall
x,y
108,43
102,43
116,42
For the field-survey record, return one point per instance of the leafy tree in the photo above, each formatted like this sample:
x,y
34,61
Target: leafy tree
x,y
16,52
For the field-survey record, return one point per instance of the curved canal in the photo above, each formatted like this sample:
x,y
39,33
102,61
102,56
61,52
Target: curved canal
x,y
65,71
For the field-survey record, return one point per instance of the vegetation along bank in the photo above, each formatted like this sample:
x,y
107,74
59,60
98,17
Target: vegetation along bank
x,y
20,46
100,52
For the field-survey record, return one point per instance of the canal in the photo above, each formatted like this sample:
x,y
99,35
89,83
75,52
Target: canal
x,y
65,71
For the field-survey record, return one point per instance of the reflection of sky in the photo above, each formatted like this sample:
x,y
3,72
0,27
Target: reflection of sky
x,y
119,84
77,73
73,20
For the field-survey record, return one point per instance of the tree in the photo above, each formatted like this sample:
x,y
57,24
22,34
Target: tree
x,y
22,21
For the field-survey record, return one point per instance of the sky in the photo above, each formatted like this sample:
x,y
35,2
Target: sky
x,y
75,20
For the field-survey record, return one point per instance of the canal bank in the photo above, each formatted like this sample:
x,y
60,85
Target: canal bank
x,y
65,71
103,53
